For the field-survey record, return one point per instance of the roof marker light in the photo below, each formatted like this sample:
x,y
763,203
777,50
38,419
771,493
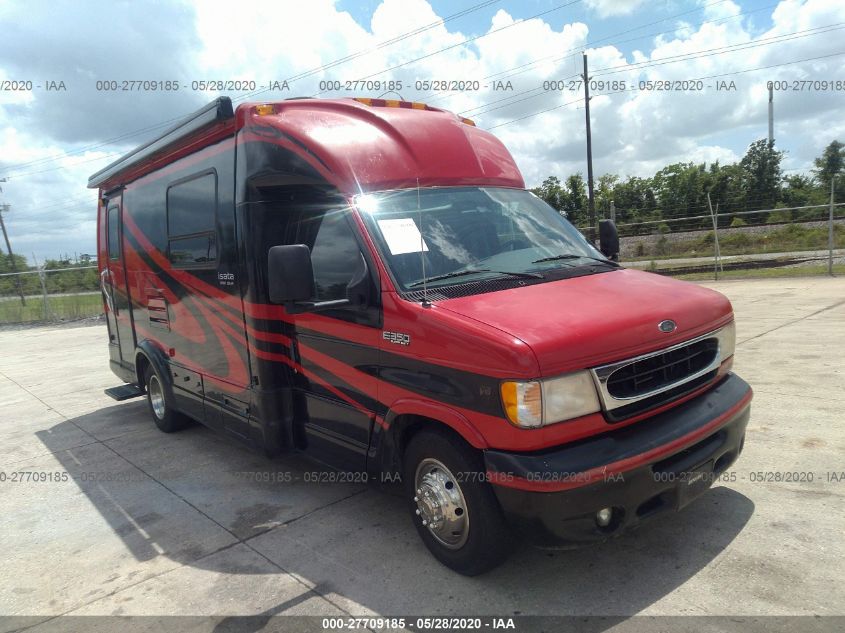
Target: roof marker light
x,y
392,103
264,109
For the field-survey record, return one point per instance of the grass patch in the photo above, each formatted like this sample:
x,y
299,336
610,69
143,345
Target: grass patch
x,y
783,239
765,273
60,308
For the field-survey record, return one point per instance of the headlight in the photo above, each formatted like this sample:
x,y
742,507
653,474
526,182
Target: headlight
x,y
727,340
539,403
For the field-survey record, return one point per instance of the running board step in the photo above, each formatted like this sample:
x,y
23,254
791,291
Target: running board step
x,y
124,392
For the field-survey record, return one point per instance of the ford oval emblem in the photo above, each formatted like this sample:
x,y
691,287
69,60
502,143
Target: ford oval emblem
x,y
668,326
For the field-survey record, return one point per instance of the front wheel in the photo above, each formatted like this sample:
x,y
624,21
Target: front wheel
x,y
166,418
454,509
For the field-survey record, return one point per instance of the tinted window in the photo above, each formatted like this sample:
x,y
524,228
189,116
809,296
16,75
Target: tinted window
x,y
191,214
335,256
114,233
191,206
192,251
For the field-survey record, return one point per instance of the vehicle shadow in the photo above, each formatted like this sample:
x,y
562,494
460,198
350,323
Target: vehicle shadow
x,y
186,496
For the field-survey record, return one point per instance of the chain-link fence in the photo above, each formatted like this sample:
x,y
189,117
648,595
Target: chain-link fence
x,y
50,295
806,240
801,240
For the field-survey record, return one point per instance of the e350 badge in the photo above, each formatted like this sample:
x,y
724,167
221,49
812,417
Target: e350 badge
x,y
397,338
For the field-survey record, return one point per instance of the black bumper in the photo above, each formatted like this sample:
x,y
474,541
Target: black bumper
x,y
553,495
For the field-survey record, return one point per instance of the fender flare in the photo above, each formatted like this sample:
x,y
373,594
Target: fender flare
x,y
156,357
439,413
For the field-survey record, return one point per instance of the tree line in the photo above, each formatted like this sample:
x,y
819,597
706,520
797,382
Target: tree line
x,y
56,282
675,197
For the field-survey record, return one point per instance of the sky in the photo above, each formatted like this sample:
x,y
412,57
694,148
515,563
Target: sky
x,y
61,118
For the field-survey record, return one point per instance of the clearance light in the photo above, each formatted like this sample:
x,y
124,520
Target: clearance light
x,y
467,121
264,109
539,403
393,103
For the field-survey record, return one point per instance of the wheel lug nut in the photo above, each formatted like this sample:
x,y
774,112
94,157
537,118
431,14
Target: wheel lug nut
x,y
425,522
416,499
418,512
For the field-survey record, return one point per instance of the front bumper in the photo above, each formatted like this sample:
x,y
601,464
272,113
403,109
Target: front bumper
x,y
653,466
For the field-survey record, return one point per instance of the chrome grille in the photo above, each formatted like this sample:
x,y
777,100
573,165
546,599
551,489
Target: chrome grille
x,y
634,385
650,374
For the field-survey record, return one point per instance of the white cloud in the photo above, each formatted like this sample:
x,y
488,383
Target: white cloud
x,y
608,8
634,132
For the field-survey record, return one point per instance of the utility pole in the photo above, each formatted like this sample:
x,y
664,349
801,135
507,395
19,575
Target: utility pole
x,y
3,209
591,199
717,253
771,115
830,230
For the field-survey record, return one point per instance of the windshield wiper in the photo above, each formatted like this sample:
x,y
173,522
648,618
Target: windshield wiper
x,y
471,271
574,256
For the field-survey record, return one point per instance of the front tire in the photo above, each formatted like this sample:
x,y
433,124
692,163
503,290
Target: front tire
x,y
453,508
166,418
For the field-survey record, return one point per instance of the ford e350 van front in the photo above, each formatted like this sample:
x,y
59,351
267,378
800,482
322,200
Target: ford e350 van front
x,y
604,428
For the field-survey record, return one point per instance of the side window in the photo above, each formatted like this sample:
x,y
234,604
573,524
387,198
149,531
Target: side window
x,y
113,220
191,216
335,255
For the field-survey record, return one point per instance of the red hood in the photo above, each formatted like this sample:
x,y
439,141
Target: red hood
x,y
587,321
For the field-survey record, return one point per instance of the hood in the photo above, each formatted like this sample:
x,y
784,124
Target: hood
x,y
586,321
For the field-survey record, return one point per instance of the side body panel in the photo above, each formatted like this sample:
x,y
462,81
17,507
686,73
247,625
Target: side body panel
x,y
184,278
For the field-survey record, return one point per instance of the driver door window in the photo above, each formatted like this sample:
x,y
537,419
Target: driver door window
x,y
334,255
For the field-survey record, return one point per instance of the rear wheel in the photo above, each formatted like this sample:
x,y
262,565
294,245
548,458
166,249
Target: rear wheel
x,y
453,508
166,418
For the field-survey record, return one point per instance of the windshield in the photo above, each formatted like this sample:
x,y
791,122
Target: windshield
x,y
469,233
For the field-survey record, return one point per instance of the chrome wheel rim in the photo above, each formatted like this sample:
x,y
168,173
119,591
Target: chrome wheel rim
x,y
441,506
156,397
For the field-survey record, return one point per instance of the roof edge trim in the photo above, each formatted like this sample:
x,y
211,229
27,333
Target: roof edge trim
x,y
217,111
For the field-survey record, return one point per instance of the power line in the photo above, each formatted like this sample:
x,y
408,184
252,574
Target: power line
x,y
731,48
394,40
735,72
466,41
572,53
786,37
332,64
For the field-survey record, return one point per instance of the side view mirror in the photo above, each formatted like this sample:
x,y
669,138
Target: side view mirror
x,y
609,239
290,275
290,280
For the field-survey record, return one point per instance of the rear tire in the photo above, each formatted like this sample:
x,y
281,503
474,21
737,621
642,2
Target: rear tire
x,y
445,486
166,418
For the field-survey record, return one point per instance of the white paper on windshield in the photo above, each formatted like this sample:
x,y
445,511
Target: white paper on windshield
x,y
402,236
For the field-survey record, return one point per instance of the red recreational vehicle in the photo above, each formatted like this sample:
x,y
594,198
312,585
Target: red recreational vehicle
x,y
369,281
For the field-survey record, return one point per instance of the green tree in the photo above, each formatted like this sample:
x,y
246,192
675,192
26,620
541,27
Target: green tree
x,y
761,167
681,192
635,200
551,192
603,193
831,163
575,200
